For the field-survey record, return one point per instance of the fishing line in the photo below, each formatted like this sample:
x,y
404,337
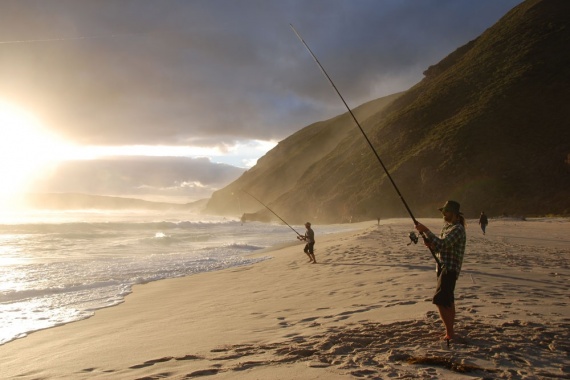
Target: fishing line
x,y
367,140
274,213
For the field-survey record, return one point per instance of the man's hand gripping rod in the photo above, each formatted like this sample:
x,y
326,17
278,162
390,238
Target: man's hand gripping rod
x,y
368,141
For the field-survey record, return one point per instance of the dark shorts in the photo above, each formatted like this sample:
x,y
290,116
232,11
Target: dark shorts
x,y
309,248
444,295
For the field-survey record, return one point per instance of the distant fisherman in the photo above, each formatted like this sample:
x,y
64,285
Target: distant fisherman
x,y
310,239
483,221
450,249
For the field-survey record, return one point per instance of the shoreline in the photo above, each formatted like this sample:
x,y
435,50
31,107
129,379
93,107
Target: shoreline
x,y
362,312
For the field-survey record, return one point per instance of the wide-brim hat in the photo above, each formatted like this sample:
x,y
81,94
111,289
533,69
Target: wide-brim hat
x,y
451,206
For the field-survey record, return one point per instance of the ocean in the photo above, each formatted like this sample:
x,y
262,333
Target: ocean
x,y
60,267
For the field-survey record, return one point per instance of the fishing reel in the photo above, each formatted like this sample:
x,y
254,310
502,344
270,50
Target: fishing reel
x,y
413,238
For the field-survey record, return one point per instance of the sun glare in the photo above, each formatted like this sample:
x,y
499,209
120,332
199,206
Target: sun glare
x,y
25,148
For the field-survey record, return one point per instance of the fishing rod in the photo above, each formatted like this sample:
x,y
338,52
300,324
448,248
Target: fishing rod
x,y
251,195
412,235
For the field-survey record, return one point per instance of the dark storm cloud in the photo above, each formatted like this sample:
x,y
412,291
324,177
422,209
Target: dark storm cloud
x,y
173,72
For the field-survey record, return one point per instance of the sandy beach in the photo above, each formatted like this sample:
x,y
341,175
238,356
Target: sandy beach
x,y
363,312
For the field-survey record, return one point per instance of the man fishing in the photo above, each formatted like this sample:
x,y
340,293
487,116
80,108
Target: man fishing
x,y
449,247
450,244
310,239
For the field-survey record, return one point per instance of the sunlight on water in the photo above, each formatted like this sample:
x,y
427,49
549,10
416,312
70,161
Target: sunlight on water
x,y
58,267
6,261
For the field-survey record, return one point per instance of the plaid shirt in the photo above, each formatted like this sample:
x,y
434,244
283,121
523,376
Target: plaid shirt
x,y
450,246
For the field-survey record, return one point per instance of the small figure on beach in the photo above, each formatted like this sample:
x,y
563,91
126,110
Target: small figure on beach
x,y
449,247
483,221
310,246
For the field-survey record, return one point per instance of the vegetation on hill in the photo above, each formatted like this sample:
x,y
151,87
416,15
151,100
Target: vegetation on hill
x,y
488,126
281,168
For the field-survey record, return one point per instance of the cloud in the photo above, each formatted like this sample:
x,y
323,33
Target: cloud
x,y
146,72
153,178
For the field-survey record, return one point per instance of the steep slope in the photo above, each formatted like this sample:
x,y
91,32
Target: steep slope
x,y
281,168
487,126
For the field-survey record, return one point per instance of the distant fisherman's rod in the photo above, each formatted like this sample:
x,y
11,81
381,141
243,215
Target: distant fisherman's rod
x,y
264,205
366,137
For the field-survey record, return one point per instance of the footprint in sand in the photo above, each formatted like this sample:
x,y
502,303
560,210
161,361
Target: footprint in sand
x,y
310,319
203,372
149,363
402,303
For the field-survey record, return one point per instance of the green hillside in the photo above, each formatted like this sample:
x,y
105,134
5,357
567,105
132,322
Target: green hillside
x,y
488,126
281,168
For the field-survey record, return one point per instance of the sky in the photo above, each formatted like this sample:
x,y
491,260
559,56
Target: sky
x,y
173,99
